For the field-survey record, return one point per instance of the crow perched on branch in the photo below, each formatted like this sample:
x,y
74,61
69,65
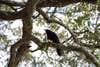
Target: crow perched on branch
x,y
54,38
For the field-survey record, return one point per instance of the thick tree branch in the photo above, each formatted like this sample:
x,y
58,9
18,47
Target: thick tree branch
x,y
17,15
13,53
19,49
78,48
48,3
11,15
43,3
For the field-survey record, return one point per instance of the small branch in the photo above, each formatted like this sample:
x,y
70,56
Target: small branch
x,y
36,16
67,39
35,50
81,32
36,40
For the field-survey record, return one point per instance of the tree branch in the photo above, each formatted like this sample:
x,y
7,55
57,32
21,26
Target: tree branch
x,y
45,3
13,53
50,20
48,3
18,50
11,15
77,48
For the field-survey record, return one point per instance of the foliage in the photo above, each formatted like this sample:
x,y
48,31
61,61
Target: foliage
x,y
82,18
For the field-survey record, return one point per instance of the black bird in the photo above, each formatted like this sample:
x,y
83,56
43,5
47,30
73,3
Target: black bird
x,y
54,38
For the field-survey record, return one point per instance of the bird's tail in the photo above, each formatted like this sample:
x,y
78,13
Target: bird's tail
x,y
60,52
